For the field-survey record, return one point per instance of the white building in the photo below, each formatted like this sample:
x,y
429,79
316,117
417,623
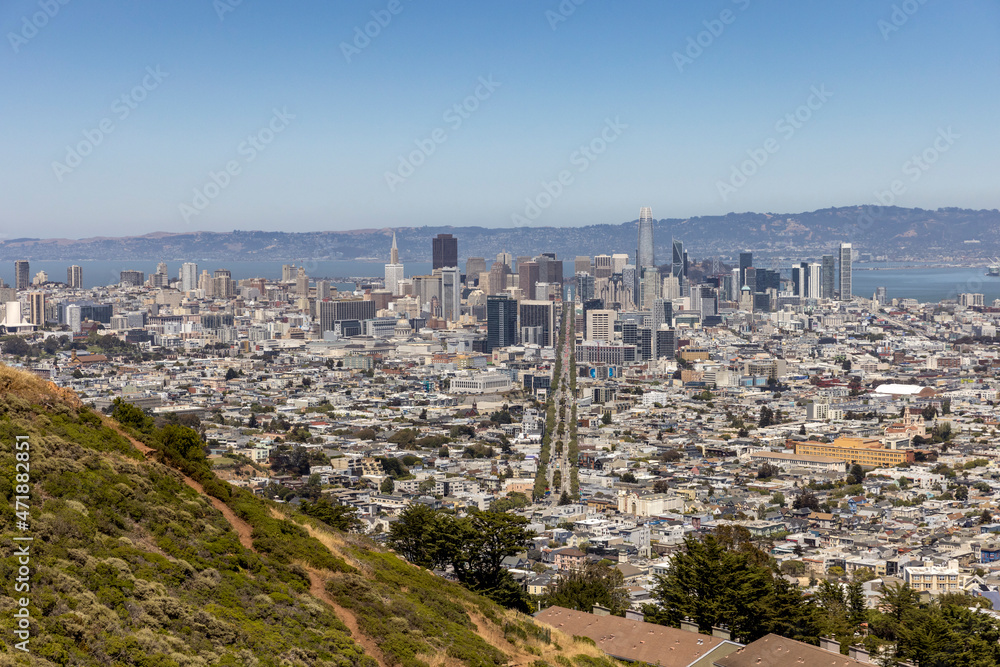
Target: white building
x,y
481,383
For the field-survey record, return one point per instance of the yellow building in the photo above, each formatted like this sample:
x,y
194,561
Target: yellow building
x,y
864,452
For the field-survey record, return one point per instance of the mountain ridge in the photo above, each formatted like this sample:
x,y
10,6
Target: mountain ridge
x,y
891,230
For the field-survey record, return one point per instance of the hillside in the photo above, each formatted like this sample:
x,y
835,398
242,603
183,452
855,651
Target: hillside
x,y
132,562
947,233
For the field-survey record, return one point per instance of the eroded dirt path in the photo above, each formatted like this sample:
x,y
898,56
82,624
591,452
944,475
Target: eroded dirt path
x,y
317,584
317,587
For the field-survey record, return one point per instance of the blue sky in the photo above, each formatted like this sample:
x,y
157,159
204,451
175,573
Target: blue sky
x,y
669,131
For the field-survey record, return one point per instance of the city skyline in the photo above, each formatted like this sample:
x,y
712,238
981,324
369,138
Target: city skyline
x,y
376,131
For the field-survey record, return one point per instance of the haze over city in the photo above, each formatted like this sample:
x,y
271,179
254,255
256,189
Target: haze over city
x,y
227,115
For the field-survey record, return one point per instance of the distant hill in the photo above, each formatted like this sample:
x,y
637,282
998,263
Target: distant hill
x,y
133,562
948,233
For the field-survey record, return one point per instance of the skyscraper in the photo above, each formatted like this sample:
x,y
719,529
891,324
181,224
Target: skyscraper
x,y
21,276
527,278
36,308
582,265
845,271
644,253
649,287
540,315
74,276
501,322
829,276
445,251
814,273
451,293
677,263
393,270
189,276
746,260
473,267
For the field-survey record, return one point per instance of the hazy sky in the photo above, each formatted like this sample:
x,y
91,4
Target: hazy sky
x,y
123,118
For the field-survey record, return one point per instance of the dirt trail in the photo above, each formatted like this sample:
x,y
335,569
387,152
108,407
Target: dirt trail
x,y
317,586
243,529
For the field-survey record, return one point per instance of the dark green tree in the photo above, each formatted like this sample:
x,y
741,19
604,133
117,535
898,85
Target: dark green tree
x,y
593,584
342,517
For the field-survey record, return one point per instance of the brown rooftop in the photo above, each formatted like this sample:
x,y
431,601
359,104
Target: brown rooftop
x,y
636,641
777,651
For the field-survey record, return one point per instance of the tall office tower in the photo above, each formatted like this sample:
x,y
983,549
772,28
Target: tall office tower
x,y
444,250
205,283
287,273
746,260
750,279
880,296
603,267
582,265
473,267
601,325
540,314
845,271
498,277
798,280
323,290
161,268
644,252
189,276
732,285
36,308
671,288
708,300
21,276
677,261
666,343
649,287
527,277
74,276
134,278
506,258
501,322
813,272
619,261
393,270
766,279
663,315
584,286
451,294
589,305
629,286
829,277
301,282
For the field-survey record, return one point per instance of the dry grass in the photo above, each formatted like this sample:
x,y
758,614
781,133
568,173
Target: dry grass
x,y
30,387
